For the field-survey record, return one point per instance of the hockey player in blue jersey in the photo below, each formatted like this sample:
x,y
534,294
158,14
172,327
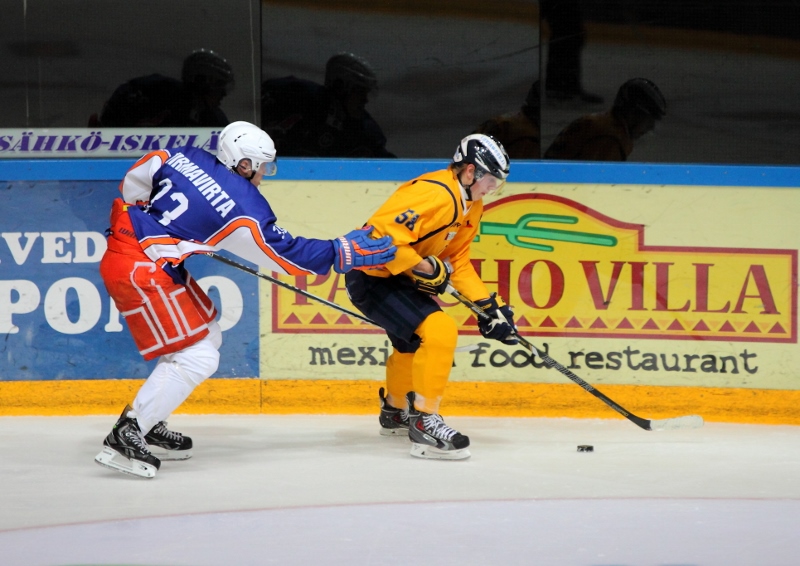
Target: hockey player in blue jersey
x,y
180,202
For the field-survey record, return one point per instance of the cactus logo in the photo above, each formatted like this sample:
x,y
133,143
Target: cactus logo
x,y
570,271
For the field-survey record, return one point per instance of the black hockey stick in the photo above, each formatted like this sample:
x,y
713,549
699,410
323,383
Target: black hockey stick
x,y
285,285
299,291
689,421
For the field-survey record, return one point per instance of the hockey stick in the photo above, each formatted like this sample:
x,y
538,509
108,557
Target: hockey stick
x,y
299,291
689,421
285,285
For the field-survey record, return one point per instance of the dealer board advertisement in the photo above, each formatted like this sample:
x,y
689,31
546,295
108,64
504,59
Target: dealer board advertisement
x,y
82,143
661,285
634,283
56,319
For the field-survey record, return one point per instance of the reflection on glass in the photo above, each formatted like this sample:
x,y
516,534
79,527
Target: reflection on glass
x,y
61,66
157,100
518,131
610,135
728,70
308,119
442,68
565,44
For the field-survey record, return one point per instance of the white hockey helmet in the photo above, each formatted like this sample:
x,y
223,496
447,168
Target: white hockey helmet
x,y
243,140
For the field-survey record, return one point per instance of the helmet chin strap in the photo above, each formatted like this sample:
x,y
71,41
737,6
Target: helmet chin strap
x,y
235,169
467,188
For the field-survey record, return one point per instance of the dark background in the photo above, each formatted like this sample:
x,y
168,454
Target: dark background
x,y
778,18
730,71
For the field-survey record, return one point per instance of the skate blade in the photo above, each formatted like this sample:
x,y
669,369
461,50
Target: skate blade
x,y
394,432
431,453
164,454
113,460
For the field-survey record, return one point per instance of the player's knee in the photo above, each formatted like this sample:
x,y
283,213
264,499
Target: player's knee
x,y
439,331
199,367
199,361
215,334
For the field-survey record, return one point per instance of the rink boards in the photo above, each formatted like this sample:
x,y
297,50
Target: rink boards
x,y
673,285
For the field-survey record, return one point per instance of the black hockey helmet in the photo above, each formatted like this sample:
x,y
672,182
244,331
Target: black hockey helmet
x,y
345,71
641,94
485,153
204,68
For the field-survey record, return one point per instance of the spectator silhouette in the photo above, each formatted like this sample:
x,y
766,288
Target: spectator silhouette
x,y
519,132
330,120
567,38
159,101
609,136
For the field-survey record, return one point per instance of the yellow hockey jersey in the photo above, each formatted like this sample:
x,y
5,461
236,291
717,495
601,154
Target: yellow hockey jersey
x,y
430,215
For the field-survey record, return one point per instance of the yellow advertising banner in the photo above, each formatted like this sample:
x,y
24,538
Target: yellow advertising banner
x,y
572,271
652,285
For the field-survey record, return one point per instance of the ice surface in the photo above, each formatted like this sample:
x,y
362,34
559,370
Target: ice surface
x,y
330,490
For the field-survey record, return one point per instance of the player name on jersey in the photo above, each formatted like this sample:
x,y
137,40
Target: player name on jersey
x,y
207,186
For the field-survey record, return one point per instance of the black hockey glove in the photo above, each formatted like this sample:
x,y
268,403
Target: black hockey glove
x,y
500,324
434,283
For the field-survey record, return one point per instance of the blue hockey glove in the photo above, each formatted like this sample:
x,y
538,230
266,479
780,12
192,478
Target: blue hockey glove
x,y
356,250
500,324
434,283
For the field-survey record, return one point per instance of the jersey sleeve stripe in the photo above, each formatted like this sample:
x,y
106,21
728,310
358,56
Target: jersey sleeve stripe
x,y
162,154
255,230
138,182
171,250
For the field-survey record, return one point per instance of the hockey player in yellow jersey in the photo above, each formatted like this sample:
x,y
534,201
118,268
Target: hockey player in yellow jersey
x,y
432,220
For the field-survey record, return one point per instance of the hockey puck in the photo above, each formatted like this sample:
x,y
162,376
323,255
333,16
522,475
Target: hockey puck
x,y
585,448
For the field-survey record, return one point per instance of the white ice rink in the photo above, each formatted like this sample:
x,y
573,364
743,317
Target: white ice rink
x,y
329,490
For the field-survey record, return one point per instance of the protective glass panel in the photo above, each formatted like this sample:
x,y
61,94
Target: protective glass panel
x,y
82,63
442,68
729,73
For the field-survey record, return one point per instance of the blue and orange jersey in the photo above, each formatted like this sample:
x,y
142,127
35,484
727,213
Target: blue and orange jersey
x,y
188,202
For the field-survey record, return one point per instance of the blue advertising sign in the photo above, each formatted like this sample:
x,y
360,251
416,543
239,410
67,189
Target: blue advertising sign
x,y
56,319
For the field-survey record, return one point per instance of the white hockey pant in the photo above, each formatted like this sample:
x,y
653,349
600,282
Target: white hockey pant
x,y
175,377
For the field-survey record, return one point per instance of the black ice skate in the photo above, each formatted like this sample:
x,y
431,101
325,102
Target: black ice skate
x,y
432,438
167,444
125,450
394,422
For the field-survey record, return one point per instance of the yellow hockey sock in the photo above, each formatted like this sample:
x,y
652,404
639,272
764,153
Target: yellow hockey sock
x,y
398,378
433,360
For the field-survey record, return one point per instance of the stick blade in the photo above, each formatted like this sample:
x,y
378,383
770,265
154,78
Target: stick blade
x,y
678,423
